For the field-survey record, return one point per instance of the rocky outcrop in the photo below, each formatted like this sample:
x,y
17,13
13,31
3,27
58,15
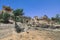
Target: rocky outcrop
x,y
8,29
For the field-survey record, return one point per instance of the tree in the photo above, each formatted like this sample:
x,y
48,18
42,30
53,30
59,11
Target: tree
x,y
6,17
56,18
1,16
17,12
52,18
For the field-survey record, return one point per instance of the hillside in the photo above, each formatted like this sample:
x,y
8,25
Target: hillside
x,y
14,25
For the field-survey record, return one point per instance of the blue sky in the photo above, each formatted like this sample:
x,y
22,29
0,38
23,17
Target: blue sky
x,y
34,7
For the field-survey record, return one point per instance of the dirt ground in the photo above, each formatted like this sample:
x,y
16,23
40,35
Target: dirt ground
x,y
34,35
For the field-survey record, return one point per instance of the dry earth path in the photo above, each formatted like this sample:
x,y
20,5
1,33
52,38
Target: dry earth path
x,y
34,35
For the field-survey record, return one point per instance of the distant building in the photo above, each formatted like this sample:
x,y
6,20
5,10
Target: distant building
x,y
43,20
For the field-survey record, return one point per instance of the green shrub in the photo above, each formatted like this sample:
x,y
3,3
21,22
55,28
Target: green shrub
x,y
5,17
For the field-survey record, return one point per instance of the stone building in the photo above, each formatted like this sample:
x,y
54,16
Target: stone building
x,y
7,9
43,20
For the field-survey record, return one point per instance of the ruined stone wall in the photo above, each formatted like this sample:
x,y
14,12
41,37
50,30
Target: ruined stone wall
x,y
6,30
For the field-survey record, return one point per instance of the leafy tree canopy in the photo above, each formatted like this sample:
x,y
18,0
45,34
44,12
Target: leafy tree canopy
x,y
6,17
18,12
